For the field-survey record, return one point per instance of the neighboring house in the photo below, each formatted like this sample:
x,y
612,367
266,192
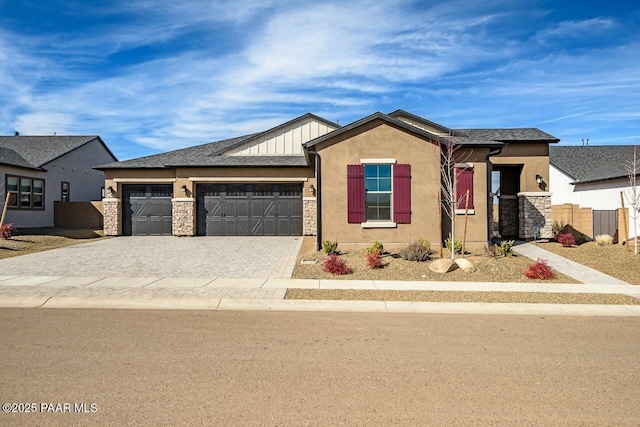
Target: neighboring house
x,y
39,170
374,179
592,177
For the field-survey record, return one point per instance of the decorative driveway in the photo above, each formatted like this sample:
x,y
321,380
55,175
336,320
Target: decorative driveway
x,y
260,257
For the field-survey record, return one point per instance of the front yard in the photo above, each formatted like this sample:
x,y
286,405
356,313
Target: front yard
x,y
27,241
488,269
613,260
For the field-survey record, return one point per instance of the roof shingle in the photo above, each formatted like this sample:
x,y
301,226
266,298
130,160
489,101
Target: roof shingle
x,y
40,150
592,163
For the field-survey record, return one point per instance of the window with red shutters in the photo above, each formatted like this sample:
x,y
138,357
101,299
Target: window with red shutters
x,y
464,182
369,193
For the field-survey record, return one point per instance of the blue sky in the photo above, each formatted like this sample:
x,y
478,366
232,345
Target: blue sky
x,y
151,76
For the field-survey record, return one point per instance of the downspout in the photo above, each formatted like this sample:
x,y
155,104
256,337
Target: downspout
x,y
489,166
318,198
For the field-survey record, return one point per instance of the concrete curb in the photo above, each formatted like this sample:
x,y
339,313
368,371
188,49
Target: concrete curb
x,y
327,306
134,303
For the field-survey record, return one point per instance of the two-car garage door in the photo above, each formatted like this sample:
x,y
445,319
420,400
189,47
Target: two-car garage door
x,y
221,209
249,209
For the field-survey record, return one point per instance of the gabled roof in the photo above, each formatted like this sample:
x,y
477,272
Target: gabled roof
x,y
406,126
37,151
592,163
212,154
11,158
403,113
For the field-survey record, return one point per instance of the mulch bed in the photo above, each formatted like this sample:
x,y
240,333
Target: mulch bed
x,y
488,269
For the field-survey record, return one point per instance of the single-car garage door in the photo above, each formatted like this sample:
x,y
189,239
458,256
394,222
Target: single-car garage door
x,y
147,210
249,209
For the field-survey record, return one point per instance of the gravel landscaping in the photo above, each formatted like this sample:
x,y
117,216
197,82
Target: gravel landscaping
x,y
613,260
454,296
27,241
509,269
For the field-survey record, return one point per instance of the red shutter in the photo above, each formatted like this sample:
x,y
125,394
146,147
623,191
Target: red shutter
x,y
355,194
464,182
402,194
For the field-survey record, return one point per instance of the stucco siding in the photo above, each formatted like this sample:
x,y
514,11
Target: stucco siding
x,y
535,160
380,141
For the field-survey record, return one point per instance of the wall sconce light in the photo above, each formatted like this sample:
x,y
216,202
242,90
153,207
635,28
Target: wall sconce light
x,y
183,188
312,189
110,189
538,179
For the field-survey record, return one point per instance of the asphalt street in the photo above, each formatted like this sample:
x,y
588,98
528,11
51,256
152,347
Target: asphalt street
x,y
146,367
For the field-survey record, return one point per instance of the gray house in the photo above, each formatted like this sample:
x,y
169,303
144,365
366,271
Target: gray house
x,y
36,171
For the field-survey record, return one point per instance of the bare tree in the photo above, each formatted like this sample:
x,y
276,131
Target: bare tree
x,y
632,194
449,200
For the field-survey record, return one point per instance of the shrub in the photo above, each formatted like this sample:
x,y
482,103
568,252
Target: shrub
x,y
557,227
330,247
374,259
335,265
375,247
491,251
505,248
6,231
539,270
457,245
566,239
604,240
419,250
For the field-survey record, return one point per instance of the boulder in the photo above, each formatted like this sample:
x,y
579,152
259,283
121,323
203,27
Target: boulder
x,y
443,265
465,264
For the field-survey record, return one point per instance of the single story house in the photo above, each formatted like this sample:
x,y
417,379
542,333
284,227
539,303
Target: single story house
x,y
374,179
593,177
37,171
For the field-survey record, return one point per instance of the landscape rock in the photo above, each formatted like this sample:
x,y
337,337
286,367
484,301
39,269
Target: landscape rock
x,y
465,264
443,265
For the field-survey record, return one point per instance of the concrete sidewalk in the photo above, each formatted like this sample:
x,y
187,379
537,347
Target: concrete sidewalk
x,y
260,294
567,267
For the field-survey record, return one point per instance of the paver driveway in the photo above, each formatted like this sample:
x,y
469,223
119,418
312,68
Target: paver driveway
x,y
260,257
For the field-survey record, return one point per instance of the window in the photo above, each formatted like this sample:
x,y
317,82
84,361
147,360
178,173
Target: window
x,y
464,183
379,194
24,192
64,193
377,187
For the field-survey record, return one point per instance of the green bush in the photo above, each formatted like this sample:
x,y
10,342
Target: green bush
x,y
457,245
505,248
419,250
330,247
375,247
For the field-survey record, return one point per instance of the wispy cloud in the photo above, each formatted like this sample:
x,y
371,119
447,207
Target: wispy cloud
x,y
160,75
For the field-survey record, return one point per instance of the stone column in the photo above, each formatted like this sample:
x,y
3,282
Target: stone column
x,y
309,216
535,212
183,216
111,225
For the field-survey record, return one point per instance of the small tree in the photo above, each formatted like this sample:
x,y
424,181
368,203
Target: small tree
x,y
632,194
449,200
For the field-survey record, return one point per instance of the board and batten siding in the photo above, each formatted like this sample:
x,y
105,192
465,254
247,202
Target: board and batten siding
x,y
422,126
286,141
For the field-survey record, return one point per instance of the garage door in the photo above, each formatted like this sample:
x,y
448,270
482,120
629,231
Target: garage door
x,y
249,209
147,210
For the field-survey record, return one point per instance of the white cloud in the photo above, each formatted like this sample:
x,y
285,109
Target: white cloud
x,y
576,30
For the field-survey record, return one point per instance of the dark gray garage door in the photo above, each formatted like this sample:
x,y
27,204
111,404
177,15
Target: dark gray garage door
x,y
147,210
249,209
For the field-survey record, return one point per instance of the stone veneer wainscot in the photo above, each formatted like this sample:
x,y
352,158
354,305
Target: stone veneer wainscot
x,y
111,212
535,212
309,216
